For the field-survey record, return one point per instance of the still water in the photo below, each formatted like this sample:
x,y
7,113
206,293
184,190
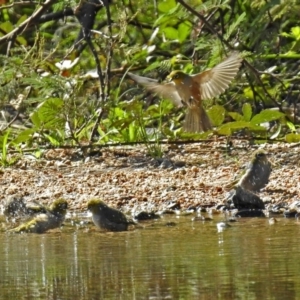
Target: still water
x,y
190,260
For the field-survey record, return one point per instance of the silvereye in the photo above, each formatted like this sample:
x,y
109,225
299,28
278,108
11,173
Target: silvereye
x,y
53,218
106,217
257,174
190,90
16,207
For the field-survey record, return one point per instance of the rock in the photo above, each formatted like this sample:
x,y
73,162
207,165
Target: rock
x,y
243,199
221,226
291,213
142,216
249,213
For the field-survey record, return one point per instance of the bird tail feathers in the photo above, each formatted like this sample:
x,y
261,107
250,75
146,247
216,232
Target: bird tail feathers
x,y
196,120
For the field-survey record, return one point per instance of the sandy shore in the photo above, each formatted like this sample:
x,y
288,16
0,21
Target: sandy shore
x,y
130,180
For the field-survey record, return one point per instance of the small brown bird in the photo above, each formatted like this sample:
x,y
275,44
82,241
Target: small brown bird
x,y
190,90
106,217
257,174
53,218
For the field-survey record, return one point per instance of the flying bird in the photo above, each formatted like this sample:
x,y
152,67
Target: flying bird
x,y
190,90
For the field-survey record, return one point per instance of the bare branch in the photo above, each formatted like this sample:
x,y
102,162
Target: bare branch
x,y
33,18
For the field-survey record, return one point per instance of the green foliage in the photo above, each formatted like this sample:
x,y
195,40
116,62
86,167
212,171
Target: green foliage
x,y
294,35
217,114
6,159
247,121
65,104
292,138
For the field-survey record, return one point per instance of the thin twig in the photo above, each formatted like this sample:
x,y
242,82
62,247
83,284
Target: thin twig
x,y
34,17
164,142
18,4
10,123
107,73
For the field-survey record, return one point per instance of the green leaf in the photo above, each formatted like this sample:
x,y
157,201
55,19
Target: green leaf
x,y
195,136
52,140
21,19
248,93
291,126
152,66
35,119
170,33
233,26
118,112
296,32
247,111
230,127
292,138
4,142
48,113
24,136
266,115
165,5
217,114
142,54
22,40
285,34
184,30
6,26
236,116
227,128
132,131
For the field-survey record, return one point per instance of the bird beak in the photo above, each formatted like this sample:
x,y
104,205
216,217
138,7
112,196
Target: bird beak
x,y
168,79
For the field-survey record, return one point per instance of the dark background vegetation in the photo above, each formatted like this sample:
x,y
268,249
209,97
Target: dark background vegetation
x,y
63,70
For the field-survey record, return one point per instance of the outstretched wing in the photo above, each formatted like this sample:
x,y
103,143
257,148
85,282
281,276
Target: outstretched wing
x,y
165,90
215,81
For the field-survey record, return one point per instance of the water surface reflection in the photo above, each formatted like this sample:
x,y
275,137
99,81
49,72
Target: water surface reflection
x,y
250,260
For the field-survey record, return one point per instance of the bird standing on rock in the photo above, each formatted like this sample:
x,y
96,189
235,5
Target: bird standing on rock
x,y
52,218
256,177
191,90
107,218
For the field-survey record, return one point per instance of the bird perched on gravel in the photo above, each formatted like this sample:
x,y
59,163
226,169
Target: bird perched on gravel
x,y
191,90
106,217
257,174
52,218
